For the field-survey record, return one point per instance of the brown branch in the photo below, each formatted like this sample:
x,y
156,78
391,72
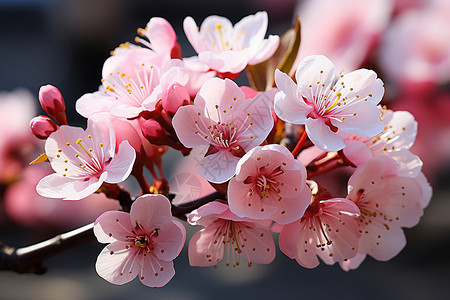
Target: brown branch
x,y
29,259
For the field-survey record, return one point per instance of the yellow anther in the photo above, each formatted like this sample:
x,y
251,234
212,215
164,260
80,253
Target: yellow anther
x,y
141,31
219,29
78,142
338,94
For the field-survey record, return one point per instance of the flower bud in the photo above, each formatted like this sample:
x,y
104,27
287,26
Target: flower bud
x,y
175,96
42,127
155,134
53,103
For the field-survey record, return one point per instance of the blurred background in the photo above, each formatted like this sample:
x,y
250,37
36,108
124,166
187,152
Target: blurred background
x,y
65,42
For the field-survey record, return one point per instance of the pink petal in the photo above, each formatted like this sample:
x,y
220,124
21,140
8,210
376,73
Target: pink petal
x,y
254,28
289,106
161,35
239,201
92,103
288,238
362,83
353,263
427,190
388,245
307,155
257,244
121,164
322,136
102,131
202,251
185,127
191,31
211,208
120,267
151,212
404,128
57,186
264,50
226,61
405,195
218,92
362,119
170,240
410,164
218,167
107,229
357,152
154,272
309,73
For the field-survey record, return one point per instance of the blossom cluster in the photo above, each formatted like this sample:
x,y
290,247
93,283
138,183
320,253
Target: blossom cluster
x,y
261,149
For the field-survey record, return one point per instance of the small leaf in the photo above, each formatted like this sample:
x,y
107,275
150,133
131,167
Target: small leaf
x,y
261,76
42,158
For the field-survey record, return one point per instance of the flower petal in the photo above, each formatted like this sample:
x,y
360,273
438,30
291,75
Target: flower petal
x,y
113,226
121,164
257,244
185,126
218,167
312,72
170,240
57,186
289,106
322,136
154,272
121,266
357,152
202,251
151,212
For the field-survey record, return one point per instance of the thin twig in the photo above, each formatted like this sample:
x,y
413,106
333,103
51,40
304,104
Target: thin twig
x,y
29,259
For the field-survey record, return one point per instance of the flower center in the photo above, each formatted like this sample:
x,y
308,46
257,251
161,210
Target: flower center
x,y
145,241
267,184
223,134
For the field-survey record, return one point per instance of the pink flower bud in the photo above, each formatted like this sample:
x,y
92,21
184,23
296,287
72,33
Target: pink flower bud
x,y
53,103
155,134
42,127
175,96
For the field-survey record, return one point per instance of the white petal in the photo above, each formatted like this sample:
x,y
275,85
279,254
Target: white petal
x,y
322,136
218,167
121,164
289,105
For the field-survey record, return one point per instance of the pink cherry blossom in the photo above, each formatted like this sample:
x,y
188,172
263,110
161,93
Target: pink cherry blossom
x,y
387,202
199,73
269,184
225,232
328,229
228,49
159,41
128,94
395,140
84,159
143,242
224,120
325,102
347,40
161,38
416,47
